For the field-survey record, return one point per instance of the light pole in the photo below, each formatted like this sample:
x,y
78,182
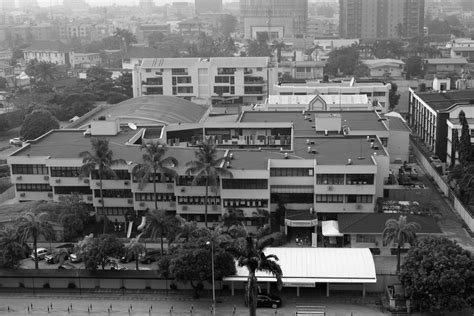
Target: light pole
x,y
213,283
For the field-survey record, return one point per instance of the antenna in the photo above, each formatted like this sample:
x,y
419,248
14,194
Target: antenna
x,y
132,126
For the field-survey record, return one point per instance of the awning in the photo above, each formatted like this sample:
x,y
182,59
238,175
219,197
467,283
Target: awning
x,y
301,223
331,229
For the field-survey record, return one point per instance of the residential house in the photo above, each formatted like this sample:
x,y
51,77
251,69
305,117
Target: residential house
x,y
445,66
386,68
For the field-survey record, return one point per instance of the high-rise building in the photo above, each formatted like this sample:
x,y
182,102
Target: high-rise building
x,y
208,6
277,18
381,18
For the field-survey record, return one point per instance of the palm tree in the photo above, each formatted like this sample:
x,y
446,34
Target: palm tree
x,y
400,232
263,216
186,230
159,224
34,226
249,253
278,47
102,160
154,163
135,248
13,248
208,169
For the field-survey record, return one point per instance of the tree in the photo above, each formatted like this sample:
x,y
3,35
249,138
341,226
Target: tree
x,y
38,123
343,60
388,49
134,248
454,147
98,251
125,36
13,248
250,254
42,72
160,224
278,47
97,73
155,165
74,215
207,169
154,38
101,160
259,47
464,148
439,275
414,66
228,24
31,225
401,232
393,96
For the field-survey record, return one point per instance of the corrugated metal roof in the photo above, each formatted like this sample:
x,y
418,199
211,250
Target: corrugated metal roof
x,y
306,265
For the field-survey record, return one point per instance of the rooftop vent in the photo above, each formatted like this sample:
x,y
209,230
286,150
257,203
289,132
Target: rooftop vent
x,y
349,161
286,155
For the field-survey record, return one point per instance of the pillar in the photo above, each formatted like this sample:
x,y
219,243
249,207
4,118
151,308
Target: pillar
x,y
268,287
232,288
363,289
298,291
327,289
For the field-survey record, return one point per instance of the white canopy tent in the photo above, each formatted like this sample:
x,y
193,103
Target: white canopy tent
x,y
304,267
331,229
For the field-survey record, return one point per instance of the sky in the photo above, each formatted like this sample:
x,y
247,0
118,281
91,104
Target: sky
x,y
45,3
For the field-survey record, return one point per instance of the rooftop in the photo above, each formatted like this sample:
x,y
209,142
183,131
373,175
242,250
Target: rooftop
x,y
215,61
328,98
141,52
253,159
446,61
373,63
397,124
442,101
336,150
374,223
50,46
155,109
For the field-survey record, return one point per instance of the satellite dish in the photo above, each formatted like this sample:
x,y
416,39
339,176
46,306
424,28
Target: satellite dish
x,y
132,126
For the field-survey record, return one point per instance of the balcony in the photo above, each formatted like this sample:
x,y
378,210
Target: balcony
x,y
254,80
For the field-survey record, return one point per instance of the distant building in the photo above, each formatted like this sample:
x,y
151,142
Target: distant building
x,y
48,51
241,80
135,54
208,6
85,60
277,18
462,48
302,69
83,31
381,18
385,68
144,30
445,66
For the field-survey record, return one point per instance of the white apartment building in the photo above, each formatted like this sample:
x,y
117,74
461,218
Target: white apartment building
x,y
242,80
48,51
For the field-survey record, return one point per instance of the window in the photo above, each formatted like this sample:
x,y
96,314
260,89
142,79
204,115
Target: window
x,y
224,79
154,90
29,169
330,179
119,175
154,81
245,184
120,194
226,71
147,70
365,238
359,179
159,178
34,187
179,71
352,198
329,198
199,200
71,190
70,172
379,94
114,211
185,89
159,197
291,172
184,79
304,198
245,203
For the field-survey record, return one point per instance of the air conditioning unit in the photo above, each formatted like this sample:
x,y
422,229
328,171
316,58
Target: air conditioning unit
x,y
127,182
86,180
97,184
183,189
46,177
22,194
99,200
58,180
330,188
215,207
142,204
89,198
50,195
18,177
172,203
130,201
169,185
358,206
185,207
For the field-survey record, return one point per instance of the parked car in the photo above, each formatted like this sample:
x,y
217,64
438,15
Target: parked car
x,y
41,252
73,257
267,300
54,258
16,141
115,266
69,247
67,266
150,256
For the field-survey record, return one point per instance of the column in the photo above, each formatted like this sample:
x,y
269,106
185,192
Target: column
x,y
363,289
232,288
298,291
327,289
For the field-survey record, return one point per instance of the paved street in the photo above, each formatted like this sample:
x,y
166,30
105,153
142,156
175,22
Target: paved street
x,y
160,304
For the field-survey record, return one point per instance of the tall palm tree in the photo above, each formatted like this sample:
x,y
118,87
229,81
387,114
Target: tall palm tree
x,y
399,231
159,224
135,248
31,225
154,163
186,230
13,248
249,253
278,47
102,160
208,169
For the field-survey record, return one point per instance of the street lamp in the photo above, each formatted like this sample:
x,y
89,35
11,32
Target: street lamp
x,y
213,283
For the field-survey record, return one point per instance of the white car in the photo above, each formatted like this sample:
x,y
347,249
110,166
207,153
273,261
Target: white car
x,y
16,141
42,252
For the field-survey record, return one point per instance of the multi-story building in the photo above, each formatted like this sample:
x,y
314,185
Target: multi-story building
x,y
84,31
48,51
135,54
381,18
208,6
277,18
386,68
445,66
326,164
462,48
39,32
377,93
308,70
85,60
241,80
434,114
143,31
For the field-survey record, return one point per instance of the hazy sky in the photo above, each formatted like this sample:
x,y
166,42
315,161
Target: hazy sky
x,y
45,3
